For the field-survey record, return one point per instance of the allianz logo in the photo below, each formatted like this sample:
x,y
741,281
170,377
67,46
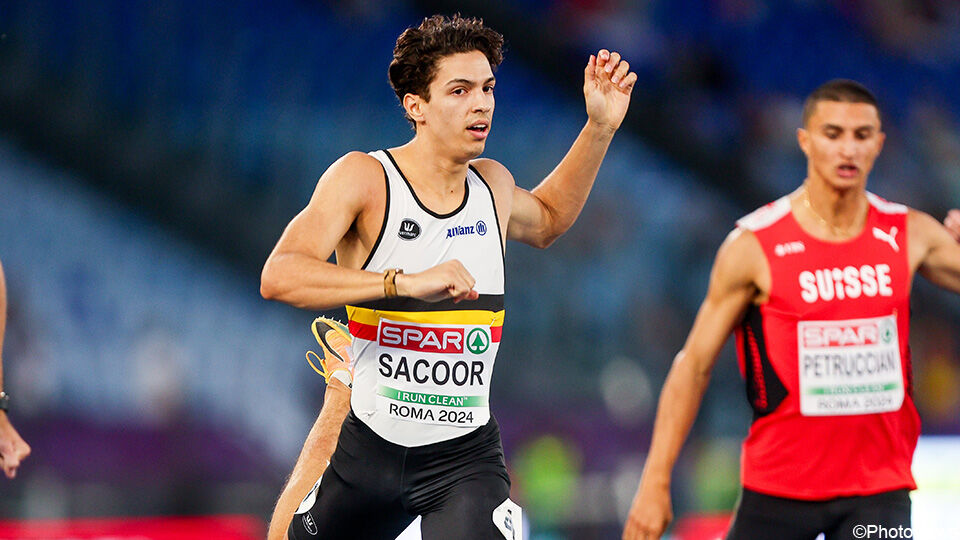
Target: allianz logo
x,y
460,230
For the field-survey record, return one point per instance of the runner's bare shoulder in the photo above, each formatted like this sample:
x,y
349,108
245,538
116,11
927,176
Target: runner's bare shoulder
x,y
740,246
357,169
740,260
496,175
356,180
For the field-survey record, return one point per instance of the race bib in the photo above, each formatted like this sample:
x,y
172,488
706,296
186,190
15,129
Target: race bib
x,y
434,373
849,367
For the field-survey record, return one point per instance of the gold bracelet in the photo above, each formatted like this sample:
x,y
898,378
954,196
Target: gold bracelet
x,y
390,282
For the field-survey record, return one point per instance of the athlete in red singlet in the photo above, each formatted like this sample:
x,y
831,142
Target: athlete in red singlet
x,y
816,286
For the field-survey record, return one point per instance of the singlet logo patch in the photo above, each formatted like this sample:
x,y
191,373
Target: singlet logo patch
x,y
309,524
409,229
480,228
888,237
789,248
887,332
460,230
478,341
421,338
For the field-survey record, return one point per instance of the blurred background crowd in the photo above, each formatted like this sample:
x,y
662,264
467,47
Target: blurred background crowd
x,y
151,153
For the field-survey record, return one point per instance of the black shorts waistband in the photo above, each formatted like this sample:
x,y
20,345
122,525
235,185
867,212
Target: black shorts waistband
x,y
488,432
893,494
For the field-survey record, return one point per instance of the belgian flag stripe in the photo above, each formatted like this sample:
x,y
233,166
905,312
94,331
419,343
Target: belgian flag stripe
x,y
372,317
363,331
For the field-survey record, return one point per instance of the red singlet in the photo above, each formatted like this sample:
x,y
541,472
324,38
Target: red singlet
x,y
827,360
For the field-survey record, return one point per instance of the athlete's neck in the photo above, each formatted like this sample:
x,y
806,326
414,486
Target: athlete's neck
x,y
836,213
430,167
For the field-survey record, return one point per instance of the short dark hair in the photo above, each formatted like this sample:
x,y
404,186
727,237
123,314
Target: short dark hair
x,y
842,90
418,50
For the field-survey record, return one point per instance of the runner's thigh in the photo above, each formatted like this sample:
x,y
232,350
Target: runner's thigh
x,y
336,509
890,510
359,494
467,511
760,516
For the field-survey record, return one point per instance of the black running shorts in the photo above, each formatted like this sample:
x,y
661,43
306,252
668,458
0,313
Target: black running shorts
x,y
843,518
373,488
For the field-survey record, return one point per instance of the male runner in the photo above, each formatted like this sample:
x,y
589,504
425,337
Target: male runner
x,y
817,285
13,449
419,234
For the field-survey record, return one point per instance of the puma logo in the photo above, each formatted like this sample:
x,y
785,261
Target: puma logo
x,y
890,238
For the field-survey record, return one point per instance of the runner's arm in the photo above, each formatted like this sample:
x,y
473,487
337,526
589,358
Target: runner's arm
x,y
540,216
732,288
3,321
297,271
939,257
314,457
13,449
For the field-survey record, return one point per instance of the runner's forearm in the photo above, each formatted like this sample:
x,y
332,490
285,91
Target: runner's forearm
x,y
313,459
676,412
307,283
564,191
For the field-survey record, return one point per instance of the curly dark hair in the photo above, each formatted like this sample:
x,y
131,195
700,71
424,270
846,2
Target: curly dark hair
x,y
419,49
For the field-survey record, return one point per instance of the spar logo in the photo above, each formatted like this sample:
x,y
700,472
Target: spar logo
x,y
478,341
887,332
848,334
422,338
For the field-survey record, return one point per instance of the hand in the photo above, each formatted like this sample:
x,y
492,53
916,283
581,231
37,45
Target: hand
x,y
650,512
952,223
13,449
444,281
607,84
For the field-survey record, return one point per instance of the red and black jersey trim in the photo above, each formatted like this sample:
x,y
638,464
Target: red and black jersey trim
x,y
765,390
